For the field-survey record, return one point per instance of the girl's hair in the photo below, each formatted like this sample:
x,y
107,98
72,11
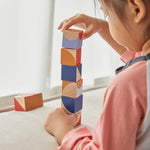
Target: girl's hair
x,y
118,6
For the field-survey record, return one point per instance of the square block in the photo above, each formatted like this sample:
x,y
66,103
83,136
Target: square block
x,y
72,89
71,57
71,73
28,102
77,122
72,39
73,105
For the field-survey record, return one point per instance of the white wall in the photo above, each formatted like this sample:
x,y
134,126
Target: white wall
x,y
25,45
34,43
26,41
8,45
96,53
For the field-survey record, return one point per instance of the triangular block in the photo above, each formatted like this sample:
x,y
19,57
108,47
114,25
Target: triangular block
x,y
18,107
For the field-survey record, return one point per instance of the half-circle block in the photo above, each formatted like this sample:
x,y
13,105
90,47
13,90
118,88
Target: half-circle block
x,y
71,73
71,57
72,39
28,102
78,115
72,89
73,105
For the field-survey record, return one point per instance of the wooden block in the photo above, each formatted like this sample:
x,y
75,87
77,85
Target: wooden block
x,y
77,121
72,105
71,73
72,39
72,89
28,102
71,57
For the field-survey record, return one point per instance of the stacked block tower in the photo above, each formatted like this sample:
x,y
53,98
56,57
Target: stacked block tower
x,y
71,71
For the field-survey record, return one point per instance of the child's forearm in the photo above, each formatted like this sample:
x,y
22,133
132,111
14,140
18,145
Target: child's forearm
x,y
105,34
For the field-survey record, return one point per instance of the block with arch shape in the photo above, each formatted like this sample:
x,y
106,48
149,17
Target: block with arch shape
x,y
71,73
72,89
72,39
71,57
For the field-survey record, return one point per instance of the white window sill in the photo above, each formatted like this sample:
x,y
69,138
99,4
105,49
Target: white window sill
x,y
7,103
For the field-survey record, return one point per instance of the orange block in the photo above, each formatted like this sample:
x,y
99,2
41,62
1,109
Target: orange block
x,y
72,89
28,102
71,57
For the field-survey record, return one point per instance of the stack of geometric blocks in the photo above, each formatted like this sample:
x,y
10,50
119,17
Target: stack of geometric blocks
x,y
71,71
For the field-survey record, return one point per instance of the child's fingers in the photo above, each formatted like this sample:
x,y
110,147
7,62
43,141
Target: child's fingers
x,y
88,32
77,19
62,24
71,22
67,23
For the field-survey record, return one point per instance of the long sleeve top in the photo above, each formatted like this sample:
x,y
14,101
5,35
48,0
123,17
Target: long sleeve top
x,y
124,108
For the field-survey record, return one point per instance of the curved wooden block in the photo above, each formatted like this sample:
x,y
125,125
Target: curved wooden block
x,y
72,89
73,105
72,34
70,57
72,39
71,73
77,121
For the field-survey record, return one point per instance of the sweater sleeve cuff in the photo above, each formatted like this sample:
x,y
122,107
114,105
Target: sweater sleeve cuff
x,y
72,137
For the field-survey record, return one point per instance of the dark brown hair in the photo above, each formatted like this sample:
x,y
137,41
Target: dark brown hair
x,y
118,6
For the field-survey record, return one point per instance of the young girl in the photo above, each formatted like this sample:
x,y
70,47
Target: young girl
x,y
125,120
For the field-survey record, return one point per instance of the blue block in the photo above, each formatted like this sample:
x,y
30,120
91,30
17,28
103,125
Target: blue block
x,y
73,105
71,73
72,39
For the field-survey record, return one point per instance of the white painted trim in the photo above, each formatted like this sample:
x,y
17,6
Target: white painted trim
x,y
55,93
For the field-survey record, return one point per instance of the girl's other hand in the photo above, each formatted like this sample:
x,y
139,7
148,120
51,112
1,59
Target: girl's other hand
x,y
59,123
89,24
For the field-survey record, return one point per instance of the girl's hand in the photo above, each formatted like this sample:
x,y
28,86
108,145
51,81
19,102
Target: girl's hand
x,y
89,24
59,123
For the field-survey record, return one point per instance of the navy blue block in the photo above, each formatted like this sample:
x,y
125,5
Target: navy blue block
x,y
73,105
80,69
69,73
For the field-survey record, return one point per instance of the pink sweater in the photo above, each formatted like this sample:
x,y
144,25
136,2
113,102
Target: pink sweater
x,y
124,108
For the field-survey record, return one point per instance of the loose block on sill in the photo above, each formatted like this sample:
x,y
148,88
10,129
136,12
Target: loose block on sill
x,y
28,102
72,39
73,105
71,57
71,73
72,89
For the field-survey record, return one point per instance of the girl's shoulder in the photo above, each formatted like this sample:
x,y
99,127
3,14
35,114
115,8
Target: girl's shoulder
x,y
131,80
132,74
129,87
